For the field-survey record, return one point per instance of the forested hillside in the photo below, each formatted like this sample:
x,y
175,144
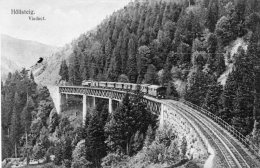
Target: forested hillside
x,y
25,108
207,49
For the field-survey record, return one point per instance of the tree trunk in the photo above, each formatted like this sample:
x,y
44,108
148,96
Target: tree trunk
x,y
15,150
27,153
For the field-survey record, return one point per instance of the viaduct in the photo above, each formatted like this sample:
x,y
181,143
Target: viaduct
x,y
225,146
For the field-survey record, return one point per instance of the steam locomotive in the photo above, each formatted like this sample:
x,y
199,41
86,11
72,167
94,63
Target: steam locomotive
x,y
151,90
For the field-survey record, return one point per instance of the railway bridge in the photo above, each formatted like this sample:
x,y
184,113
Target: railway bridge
x,y
226,146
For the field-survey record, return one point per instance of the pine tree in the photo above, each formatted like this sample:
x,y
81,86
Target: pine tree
x,y
228,97
123,51
219,64
184,51
31,76
253,54
118,129
115,67
71,74
142,62
151,76
243,102
131,116
238,18
15,129
166,76
141,25
108,53
66,149
149,136
166,14
132,62
197,86
211,101
95,145
212,15
76,70
134,23
54,120
26,114
64,72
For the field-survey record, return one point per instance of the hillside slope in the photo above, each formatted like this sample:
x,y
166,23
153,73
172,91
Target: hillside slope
x,y
18,53
47,72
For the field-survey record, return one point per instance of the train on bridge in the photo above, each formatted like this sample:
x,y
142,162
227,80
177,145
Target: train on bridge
x,y
148,89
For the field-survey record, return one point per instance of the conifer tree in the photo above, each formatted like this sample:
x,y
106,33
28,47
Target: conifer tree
x,y
253,54
228,97
243,102
166,14
132,62
95,145
134,23
108,53
54,121
15,129
151,75
66,149
64,72
76,70
71,74
142,62
197,86
166,76
211,101
123,51
115,67
212,15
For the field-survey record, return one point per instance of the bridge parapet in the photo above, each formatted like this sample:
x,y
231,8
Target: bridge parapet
x,y
245,141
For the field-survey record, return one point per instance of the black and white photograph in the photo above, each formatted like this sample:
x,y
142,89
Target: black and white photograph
x,y
130,83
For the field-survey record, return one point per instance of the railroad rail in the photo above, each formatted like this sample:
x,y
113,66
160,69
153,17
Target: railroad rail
x,y
227,127
225,144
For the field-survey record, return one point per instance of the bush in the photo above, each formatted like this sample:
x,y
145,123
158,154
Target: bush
x,y
191,164
163,149
80,163
79,150
112,159
66,163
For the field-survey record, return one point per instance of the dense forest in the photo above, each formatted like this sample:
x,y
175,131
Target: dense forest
x,y
166,42
32,129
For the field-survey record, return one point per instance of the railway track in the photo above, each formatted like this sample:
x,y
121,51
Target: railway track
x,y
235,146
225,145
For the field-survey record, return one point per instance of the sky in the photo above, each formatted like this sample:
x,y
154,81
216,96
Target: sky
x,y
65,19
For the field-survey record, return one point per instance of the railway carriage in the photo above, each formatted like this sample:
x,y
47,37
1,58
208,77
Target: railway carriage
x,y
144,88
95,84
111,84
119,85
86,83
103,84
133,87
157,91
127,86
